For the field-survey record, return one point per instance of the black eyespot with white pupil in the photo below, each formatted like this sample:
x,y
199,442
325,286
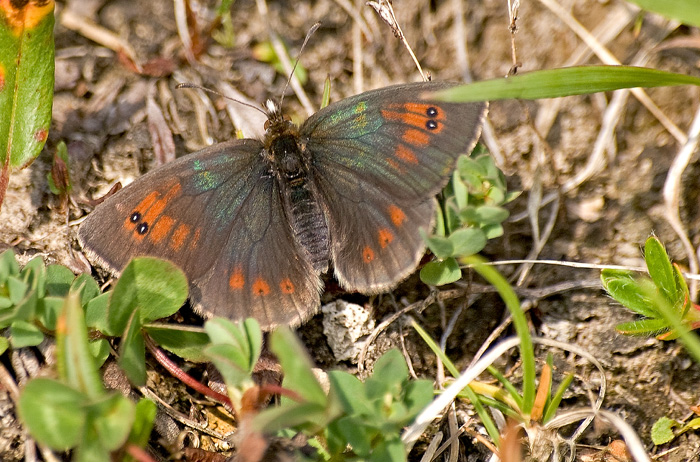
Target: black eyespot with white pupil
x,y
142,226
431,112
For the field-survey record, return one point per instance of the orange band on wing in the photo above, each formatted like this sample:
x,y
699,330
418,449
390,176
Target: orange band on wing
x,y
161,228
416,137
179,235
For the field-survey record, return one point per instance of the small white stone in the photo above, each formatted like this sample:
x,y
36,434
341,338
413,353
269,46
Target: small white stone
x,y
344,325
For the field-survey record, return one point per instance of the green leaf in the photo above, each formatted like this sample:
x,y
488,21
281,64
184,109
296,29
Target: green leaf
x,y
693,424
647,327
245,338
662,430
684,301
26,83
90,448
291,414
356,433
490,214
157,287
389,373
144,417
685,11
439,273
459,189
111,417
34,274
553,83
48,311
86,287
227,360
4,345
96,312
76,365
442,247
296,365
17,289
441,223
8,265
626,289
492,231
27,307
58,280
24,334
185,343
389,450
417,394
132,351
556,398
100,350
661,270
53,412
350,392
468,241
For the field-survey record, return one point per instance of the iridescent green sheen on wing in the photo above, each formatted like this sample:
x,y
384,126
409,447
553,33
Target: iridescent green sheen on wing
x,y
350,120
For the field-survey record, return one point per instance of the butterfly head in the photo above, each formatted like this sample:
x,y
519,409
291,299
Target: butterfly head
x,y
278,125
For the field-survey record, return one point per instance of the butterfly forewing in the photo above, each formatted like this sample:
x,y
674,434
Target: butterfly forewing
x,y
217,215
378,158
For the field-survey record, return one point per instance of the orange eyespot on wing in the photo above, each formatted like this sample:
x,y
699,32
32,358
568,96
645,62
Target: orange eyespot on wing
x,y
397,216
367,254
237,280
287,286
385,237
261,287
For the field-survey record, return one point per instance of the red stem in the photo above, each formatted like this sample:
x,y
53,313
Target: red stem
x,y
185,378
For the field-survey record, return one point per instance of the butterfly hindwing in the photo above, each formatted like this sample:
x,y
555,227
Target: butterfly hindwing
x,y
378,159
265,274
214,213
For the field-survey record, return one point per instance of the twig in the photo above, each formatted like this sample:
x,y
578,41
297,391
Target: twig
x,y
185,378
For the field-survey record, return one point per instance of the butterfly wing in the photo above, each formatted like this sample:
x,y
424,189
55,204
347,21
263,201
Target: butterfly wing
x,y
378,160
218,215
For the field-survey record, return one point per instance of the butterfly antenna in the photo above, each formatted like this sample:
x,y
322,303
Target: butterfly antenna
x,y
311,31
208,90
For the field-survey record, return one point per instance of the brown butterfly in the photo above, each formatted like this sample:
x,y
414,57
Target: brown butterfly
x,y
253,223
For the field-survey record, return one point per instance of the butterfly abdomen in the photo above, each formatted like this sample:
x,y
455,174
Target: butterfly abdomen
x,y
309,224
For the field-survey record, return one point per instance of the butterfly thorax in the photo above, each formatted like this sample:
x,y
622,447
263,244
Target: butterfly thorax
x,y
290,166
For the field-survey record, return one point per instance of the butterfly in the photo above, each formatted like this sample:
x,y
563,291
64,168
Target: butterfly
x,y
254,223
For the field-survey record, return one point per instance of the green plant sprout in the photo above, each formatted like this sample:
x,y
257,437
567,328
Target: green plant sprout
x,y
354,421
662,299
471,213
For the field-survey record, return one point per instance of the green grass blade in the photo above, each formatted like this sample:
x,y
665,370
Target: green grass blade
x,y
566,81
685,11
